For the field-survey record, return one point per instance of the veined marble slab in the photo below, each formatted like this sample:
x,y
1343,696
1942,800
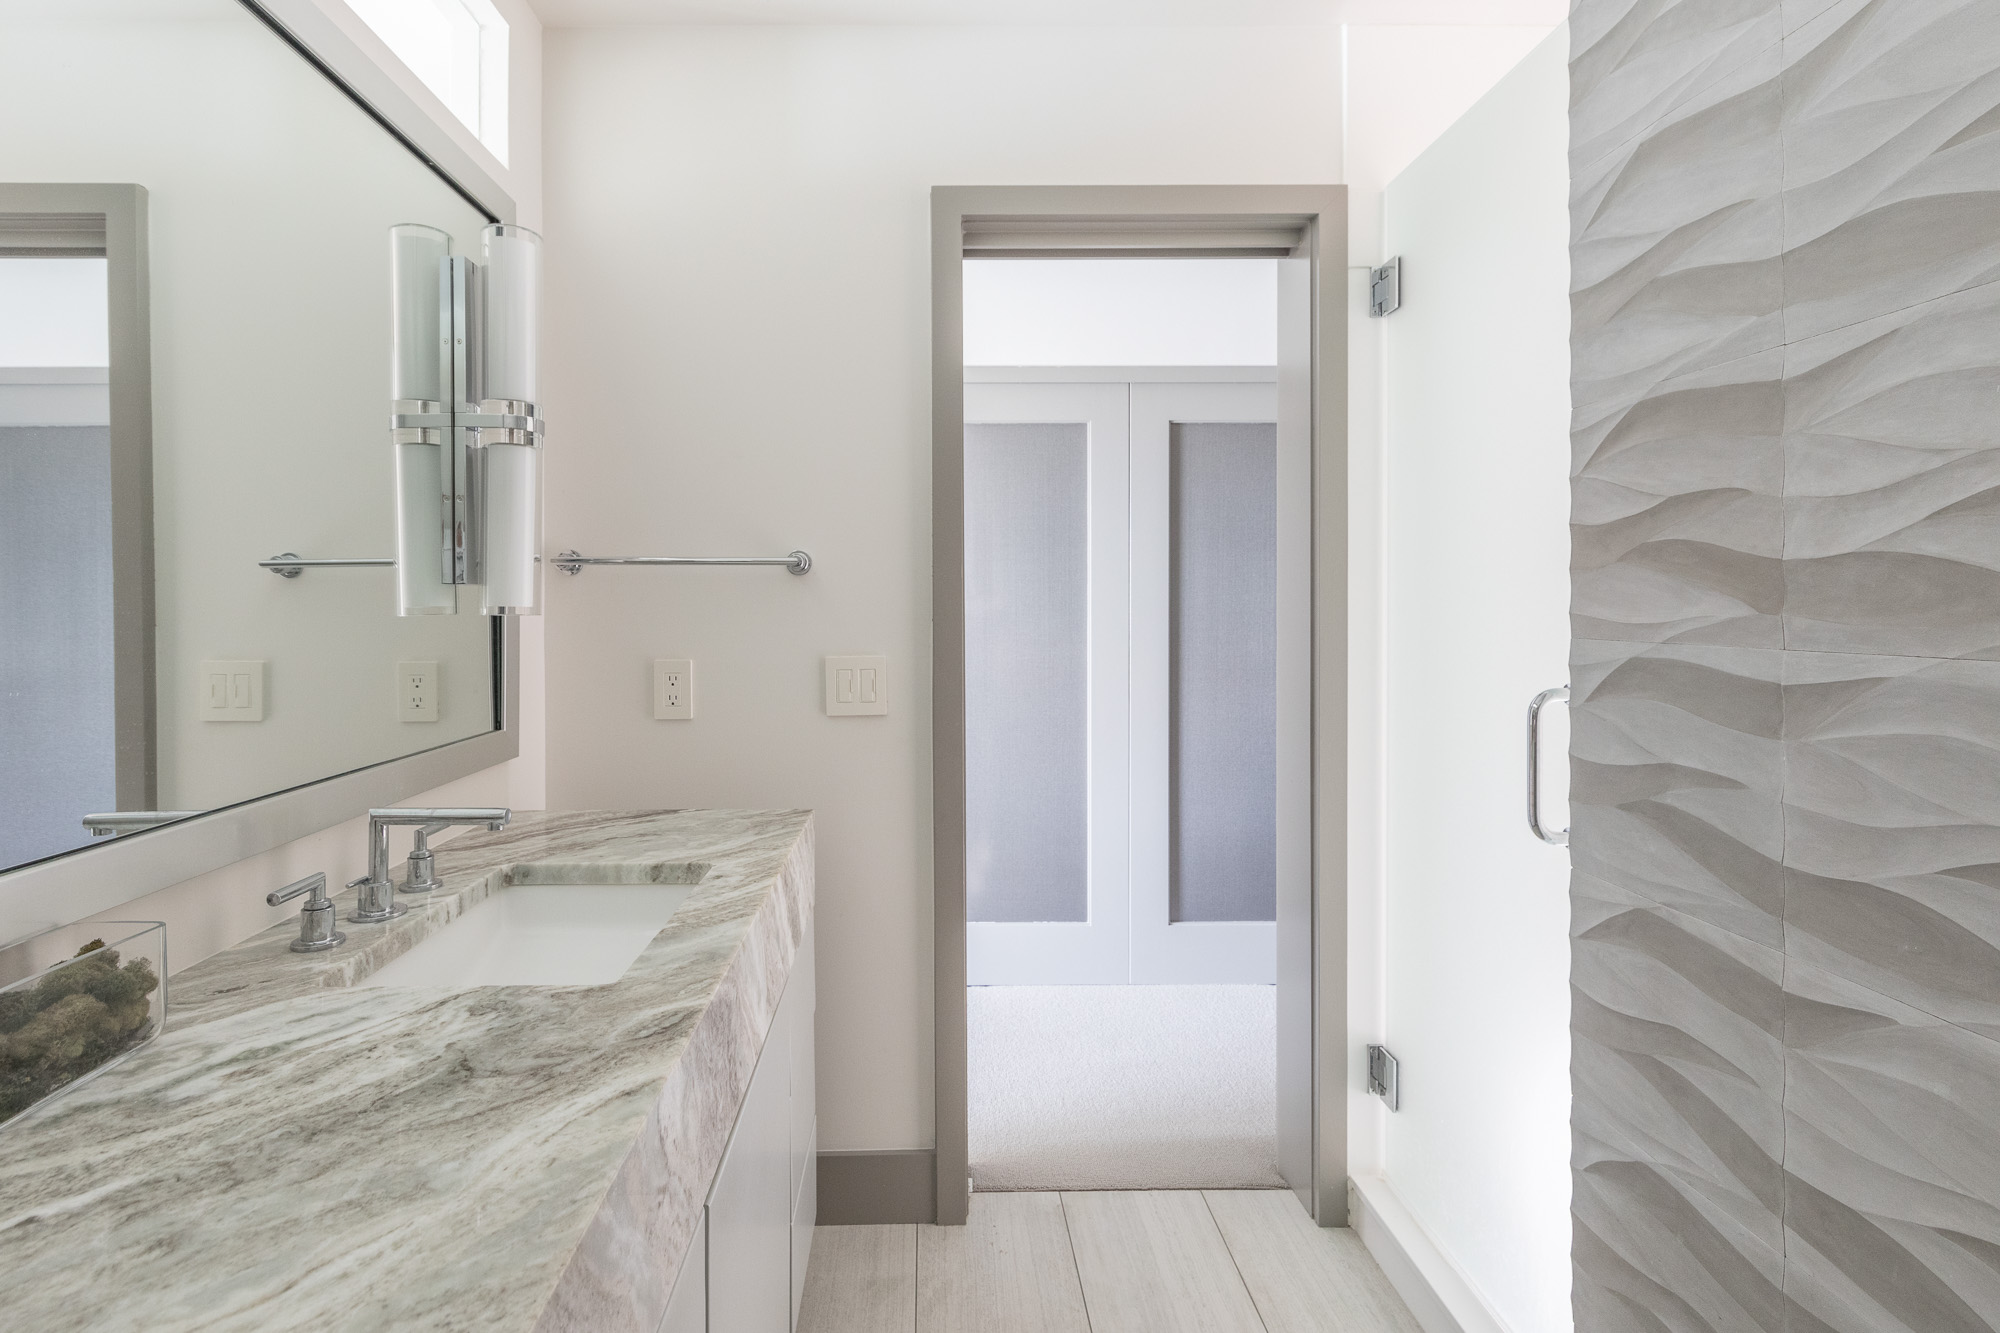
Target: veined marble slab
x,y
292,1153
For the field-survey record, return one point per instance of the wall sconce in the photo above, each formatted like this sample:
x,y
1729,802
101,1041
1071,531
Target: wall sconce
x,y
464,385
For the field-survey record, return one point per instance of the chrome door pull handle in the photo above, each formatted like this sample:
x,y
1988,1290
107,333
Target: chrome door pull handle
x,y
1560,837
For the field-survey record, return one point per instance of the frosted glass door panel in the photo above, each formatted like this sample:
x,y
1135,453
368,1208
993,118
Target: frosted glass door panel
x,y
1047,591
1223,641
1027,665
1210,527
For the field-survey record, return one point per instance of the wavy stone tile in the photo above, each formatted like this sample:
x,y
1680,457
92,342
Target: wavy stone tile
x,y
1892,1191
1676,239
1635,62
1892,483
1892,162
1892,819
1676,511
1677,1070
1675,766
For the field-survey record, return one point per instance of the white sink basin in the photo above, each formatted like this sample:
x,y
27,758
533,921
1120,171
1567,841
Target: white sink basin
x,y
540,935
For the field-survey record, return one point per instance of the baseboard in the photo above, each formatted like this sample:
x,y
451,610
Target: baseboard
x,y
873,1188
1439,1294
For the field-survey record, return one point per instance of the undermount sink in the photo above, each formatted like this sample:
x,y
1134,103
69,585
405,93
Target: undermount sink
x,y
540,935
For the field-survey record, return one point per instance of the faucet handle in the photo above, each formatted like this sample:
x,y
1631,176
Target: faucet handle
x,y
314,884
376,902
421,874
316,932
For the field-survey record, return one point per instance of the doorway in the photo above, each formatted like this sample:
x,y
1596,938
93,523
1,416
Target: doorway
x,y
1128,587
1124,539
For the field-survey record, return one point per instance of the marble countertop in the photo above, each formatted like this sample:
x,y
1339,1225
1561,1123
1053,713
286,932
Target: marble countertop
x,y
292,1153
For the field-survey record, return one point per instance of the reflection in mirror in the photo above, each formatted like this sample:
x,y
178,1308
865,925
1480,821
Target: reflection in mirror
x,y
195,371
58,721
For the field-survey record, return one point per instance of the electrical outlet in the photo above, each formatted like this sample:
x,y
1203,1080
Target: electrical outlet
x,y
232,691
673,689
417,691
857,686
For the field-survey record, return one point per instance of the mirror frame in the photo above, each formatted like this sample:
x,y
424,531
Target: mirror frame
x,y
90,880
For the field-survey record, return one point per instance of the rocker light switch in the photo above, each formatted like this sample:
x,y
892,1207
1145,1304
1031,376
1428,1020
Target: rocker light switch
x,y
857,686
232,691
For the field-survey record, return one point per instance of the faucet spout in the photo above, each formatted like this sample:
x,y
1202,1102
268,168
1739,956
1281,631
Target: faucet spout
x,y
377,897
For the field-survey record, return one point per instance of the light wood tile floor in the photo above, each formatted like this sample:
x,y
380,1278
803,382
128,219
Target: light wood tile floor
x,y
1152,1261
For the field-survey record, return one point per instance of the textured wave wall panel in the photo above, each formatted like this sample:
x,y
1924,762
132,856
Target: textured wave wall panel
x,y
1785,222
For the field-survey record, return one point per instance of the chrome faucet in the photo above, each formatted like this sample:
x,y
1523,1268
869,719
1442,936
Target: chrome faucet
x,y
316,932
377,899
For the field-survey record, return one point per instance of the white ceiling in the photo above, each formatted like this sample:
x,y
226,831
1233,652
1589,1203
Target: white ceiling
x,y
1116,13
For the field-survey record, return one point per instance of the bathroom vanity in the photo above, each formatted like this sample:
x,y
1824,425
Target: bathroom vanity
x,y
374,1138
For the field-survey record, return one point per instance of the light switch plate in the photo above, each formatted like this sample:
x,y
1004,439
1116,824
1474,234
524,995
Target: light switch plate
x,y
673,689
417,691
231,691
857,686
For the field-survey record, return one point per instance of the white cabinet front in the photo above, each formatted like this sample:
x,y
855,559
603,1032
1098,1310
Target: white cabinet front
x,y
762,1199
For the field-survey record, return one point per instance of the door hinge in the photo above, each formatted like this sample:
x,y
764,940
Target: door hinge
x,y
1385,289
1382,1076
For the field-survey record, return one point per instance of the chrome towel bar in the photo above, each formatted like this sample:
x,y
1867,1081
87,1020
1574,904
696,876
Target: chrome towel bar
x,y
286,565
572,562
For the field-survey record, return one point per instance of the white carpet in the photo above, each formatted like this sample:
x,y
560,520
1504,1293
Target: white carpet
x,y
1123,1087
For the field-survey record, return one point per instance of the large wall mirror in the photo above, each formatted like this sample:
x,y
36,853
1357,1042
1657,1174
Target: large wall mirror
x,y
195,352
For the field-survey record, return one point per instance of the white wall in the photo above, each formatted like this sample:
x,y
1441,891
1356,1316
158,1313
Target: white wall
x,y
1121,312
739,301
216,910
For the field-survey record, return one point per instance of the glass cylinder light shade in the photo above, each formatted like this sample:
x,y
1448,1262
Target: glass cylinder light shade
x,y
419,384
510,314
513,491
512,311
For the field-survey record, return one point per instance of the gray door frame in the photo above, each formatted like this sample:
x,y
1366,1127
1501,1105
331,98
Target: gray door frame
x,y
1301,221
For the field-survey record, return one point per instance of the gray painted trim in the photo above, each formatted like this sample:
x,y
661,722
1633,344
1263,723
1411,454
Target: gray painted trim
x,y
877,1188
1062,217
315,36
97,879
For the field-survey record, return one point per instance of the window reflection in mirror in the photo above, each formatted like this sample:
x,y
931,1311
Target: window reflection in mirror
x,y
248,399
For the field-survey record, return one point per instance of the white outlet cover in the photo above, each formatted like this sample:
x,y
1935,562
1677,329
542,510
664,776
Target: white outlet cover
x,y
417,691
231,691
857,686
673,689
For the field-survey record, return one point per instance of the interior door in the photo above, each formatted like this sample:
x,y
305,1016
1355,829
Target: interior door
x,y
1137,681
1206,520
1047,551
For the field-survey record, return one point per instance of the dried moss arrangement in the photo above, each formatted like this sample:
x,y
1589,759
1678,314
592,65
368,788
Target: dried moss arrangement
x,y
72,1020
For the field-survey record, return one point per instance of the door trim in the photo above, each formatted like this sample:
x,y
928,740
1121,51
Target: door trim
x,y
1051,220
